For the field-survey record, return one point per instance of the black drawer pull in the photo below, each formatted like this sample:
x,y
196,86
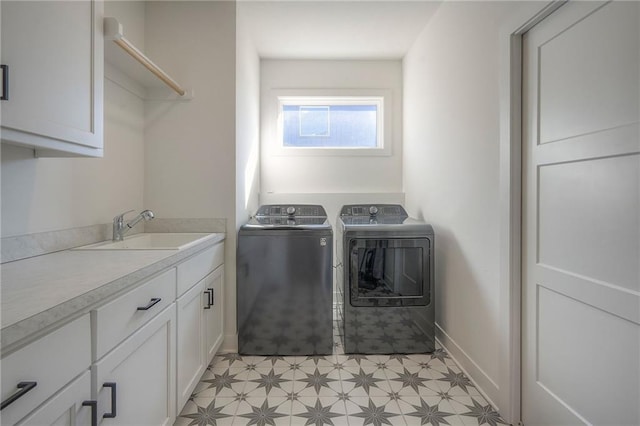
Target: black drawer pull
x,y
209,295
150,305
113,412
24,388
5,83
94,411
210,298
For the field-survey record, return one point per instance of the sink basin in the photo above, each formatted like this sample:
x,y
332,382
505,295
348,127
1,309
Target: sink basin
x,y
160,241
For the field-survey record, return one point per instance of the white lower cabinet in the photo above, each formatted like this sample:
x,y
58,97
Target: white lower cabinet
x,y
149,348
119,318
134,384
38,372
191,345
214,315
72,406
200,331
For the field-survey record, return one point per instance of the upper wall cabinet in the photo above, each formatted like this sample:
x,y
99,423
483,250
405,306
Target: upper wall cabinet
x,y
53,68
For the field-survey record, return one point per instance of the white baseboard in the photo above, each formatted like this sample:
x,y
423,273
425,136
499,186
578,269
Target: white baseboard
x,y
230,344
486,386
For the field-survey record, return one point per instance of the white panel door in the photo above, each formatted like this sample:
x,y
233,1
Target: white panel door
x,y
581,216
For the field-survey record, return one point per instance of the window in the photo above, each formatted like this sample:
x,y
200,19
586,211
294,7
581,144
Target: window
x,y
330,122
312,121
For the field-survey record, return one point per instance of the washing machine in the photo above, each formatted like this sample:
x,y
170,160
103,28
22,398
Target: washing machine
x,y
285,282
384,280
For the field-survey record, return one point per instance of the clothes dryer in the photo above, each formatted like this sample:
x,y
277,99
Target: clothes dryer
x,y
385,280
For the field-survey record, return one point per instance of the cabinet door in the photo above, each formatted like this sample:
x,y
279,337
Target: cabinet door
x,y
191,341
54,54
65,408
142,368
48,364
214,316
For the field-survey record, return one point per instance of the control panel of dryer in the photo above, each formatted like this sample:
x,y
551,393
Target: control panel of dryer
x,y
377,210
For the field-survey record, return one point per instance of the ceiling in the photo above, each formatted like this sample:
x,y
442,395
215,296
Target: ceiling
x,y
300,29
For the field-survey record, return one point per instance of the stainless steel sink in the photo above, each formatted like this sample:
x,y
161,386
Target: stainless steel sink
x,y
158,241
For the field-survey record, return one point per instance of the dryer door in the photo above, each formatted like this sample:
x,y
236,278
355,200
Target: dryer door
x,y
389,271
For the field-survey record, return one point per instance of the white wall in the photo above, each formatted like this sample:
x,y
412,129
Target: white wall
x,y
247,123
47,194
451,173
190,146
330,174
131,15
247,174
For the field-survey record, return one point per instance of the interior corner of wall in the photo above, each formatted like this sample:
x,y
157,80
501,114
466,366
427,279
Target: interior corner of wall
x,y
481,380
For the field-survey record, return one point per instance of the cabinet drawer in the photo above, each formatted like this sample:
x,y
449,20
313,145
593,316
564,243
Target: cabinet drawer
x,y
65,408
199,266
118,319
51,362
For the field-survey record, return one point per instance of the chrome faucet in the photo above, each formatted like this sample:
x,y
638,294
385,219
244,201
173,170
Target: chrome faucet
x,y
120,228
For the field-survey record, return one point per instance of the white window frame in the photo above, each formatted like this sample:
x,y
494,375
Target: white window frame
x,y
323,97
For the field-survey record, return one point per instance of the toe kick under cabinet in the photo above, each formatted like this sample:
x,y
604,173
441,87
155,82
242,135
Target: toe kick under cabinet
x,y
132,361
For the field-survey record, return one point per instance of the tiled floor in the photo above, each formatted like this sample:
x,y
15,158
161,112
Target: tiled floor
x,y
336,390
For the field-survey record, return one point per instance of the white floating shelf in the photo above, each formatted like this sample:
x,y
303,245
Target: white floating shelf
x,y
128,60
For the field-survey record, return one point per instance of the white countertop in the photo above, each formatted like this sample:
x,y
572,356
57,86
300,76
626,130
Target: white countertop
x,y
42,292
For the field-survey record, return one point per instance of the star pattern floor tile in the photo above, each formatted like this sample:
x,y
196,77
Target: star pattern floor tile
x,y
336,390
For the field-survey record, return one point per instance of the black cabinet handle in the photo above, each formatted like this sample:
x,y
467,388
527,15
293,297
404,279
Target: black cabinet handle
x,y
5,83
94,411
208,299
113,412
150,305
24,388
213,299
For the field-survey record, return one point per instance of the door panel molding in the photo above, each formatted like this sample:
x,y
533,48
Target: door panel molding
x,y
620,140
622,302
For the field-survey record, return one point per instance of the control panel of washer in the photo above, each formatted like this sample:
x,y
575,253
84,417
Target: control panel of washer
x,y
291,210
286,220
